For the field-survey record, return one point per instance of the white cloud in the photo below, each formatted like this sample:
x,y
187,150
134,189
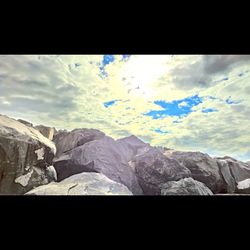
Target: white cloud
x,y
52,90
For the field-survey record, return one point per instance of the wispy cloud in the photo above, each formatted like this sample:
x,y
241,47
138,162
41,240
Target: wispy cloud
x,y
188,102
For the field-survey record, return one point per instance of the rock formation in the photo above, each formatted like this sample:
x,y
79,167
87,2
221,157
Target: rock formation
x,y
186,186
93,153
29,124
203,168
82,184
153,169
233,172
48,132
88,162
25,157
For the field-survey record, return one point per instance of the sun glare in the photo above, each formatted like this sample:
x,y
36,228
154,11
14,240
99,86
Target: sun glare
x,y
141,71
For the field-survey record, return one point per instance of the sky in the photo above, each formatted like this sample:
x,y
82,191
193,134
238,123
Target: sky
x,y
184,102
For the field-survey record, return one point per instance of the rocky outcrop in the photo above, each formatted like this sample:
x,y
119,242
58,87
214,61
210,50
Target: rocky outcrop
x,y
233,171
186,186
25,123
25,157
153,168
48,132
83,184
66,141
203,168
131,146
92,151
230,184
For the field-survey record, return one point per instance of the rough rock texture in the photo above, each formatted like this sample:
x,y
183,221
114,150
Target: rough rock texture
x,y
94,153
236,171
153,168
25,155
203,168
186,186
83,184
66,141
227,176
25,123
48,132
131,146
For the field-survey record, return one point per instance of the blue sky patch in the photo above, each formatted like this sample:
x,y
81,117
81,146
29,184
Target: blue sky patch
x,y
159,131
209,110
109,103
230,101
179,108
107,59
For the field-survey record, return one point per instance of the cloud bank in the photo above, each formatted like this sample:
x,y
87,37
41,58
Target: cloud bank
x,y
186,102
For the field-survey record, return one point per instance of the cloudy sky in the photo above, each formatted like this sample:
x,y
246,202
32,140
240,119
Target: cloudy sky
x,y
185,102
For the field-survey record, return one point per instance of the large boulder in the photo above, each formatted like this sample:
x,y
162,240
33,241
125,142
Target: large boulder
x,y
48,132
95,153
82,184
227,176
66,141
233,171
186,186
25,157
203,168
131,146
153,168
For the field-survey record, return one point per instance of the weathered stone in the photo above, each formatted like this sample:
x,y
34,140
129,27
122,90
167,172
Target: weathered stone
x,y
203,168
102,155
66,141
25,123
82,184
153,168
186,186
236,171
25,155
131,146
48,132
230,184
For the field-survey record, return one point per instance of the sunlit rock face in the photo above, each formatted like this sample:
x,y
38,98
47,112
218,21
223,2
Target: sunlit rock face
x,y
25,157
186,186
91,151
82,184
48,132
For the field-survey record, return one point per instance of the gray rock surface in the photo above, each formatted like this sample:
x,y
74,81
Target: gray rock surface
x,y
153,168
82,184
233,171
131,146
25,155
186,186
66,141
29,124
102,155
203,168
48,132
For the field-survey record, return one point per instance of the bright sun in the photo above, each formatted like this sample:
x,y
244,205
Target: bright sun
x,y
141,71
